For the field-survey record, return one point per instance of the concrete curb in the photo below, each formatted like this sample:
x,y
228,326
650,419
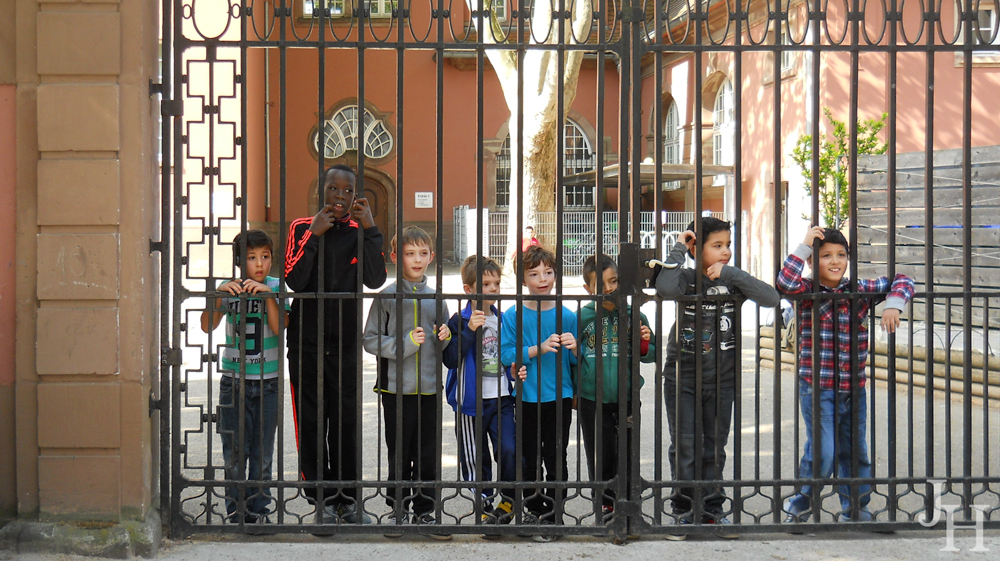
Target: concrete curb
x,y
122,540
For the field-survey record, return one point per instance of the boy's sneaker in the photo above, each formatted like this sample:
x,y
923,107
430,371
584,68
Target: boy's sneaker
x,y
329,515
794,520
545,538
502,514
678,537
528,519
349,515
724,528
392,524
428,518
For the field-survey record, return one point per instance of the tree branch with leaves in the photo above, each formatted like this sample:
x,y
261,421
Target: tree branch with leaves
x,y
833,173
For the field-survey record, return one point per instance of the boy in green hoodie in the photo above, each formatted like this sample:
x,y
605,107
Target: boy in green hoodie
x,y
607,416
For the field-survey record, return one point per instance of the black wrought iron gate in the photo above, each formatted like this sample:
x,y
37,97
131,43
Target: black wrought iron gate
x,y
667,110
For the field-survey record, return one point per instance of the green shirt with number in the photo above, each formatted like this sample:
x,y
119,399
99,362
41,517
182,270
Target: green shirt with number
x,y
262,345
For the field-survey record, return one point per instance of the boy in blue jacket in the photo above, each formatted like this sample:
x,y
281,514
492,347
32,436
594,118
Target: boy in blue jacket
x,y
471,382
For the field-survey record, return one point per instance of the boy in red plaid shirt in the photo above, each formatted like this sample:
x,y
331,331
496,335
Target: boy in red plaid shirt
x,y
837,383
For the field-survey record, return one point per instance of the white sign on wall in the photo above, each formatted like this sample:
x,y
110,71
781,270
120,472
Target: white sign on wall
x,y
424,199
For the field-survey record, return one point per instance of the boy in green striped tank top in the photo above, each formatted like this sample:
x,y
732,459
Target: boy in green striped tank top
x,y
250,364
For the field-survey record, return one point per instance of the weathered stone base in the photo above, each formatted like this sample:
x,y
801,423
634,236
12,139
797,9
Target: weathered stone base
x,y
123,540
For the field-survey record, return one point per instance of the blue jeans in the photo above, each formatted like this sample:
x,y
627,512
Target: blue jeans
x,y
836,410
260,423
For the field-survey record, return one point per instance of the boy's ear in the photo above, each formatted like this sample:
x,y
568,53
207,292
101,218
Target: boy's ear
x,y
468,289
393,257
590,291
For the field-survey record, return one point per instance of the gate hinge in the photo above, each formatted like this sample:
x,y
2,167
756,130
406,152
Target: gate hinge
x,y
171,357
633,15
155,88
171,108
155,404
155,246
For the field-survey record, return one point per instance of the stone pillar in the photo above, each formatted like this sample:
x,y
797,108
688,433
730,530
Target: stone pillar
x,y
86,286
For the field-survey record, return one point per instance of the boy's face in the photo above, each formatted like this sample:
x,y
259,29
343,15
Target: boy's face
x,y
258,263
610,278
831,264
339,192
414,259
540,279
716,249
491,285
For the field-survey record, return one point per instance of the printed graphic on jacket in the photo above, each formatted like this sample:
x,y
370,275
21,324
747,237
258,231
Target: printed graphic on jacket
x,y
609,343
710,318
491,349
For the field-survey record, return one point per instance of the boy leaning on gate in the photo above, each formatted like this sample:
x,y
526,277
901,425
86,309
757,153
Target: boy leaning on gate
x,y
726,288
838,385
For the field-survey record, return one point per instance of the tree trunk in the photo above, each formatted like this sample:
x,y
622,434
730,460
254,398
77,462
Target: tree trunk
x,y
542,82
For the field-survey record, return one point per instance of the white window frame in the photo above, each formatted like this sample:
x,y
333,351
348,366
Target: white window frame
x,y
980,57
723,126
502,186
672,140
724,131
982,35
787,57
341,129
499,8
574,134
338,8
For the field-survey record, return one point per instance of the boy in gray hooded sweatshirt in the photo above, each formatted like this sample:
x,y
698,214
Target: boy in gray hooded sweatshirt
x,y
408,336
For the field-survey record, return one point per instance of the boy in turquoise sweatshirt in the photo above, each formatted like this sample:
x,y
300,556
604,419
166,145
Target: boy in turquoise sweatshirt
x,y
548,344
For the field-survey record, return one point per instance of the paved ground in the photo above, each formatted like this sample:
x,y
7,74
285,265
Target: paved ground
x,y
840,547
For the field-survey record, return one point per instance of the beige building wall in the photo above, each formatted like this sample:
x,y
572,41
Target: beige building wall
x,y
86,289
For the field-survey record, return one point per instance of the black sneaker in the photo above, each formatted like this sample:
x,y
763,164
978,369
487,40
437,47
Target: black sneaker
x,y
349,515
528,519
428,518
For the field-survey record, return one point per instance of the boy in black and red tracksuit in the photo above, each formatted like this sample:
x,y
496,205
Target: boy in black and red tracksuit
x,y
336,225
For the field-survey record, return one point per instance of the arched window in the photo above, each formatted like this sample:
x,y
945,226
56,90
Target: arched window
x,y
577,157
723,130
340,133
